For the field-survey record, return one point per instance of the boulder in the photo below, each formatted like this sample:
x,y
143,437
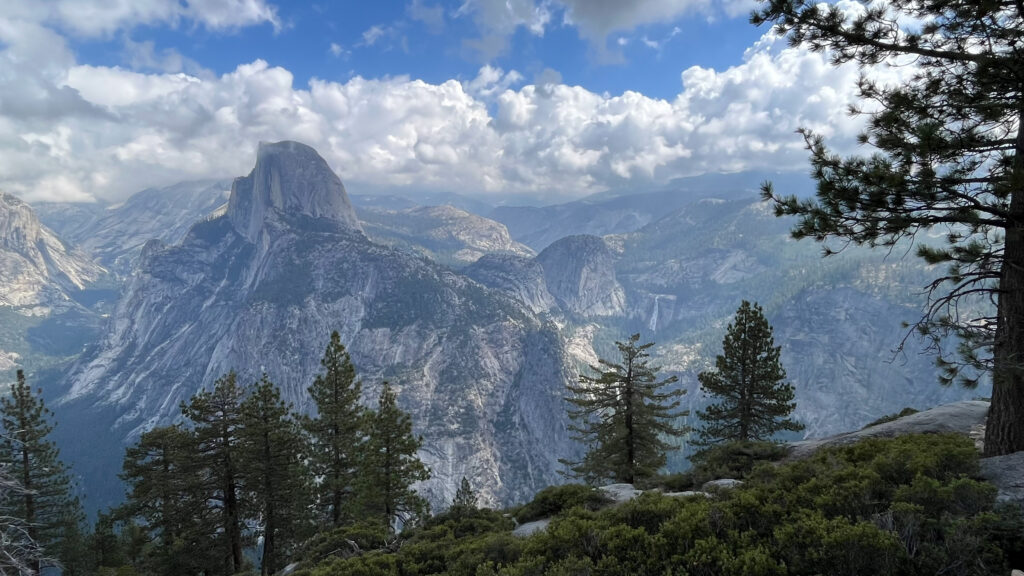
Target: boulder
x,y
524,530
620,493
686,494
721,484
1007,474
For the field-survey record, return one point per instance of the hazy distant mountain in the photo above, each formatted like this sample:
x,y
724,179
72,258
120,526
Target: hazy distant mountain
x,y
261,286
445,234
114,235
415,199
679,279
617,212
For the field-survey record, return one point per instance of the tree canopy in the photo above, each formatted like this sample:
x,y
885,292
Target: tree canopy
x,y
753,398
623,415
947,156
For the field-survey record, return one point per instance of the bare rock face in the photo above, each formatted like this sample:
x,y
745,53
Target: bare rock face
x,y
520,277
957,418
260,288
291,178
580,274
37,270
445,234
114,235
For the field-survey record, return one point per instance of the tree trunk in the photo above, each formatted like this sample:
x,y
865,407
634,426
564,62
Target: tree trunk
x,y
630,435
1004,432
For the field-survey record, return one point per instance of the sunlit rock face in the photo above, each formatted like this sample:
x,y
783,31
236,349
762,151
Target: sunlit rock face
x,y
259,288
291,178
580,274
38,272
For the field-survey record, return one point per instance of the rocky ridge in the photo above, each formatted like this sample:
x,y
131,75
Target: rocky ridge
x,y
39,271
445,234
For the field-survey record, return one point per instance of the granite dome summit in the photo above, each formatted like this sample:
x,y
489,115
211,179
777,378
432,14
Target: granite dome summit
x,y
291,178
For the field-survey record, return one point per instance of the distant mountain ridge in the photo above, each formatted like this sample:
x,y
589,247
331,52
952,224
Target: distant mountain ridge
x,y
115,235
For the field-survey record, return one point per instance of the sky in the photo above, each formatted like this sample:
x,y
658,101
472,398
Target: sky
x,y
503,100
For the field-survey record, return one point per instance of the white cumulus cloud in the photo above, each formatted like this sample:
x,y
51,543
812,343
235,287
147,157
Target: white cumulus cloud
x,y
72,131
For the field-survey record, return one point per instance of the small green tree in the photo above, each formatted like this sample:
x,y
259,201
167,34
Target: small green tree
x,y
389,466
273,453
623,417
216,417
749,382
465,498
336,431
43,503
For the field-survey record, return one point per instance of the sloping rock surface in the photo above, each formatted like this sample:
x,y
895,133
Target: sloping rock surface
x,y
966,418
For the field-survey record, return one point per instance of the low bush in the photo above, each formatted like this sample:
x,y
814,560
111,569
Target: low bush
x,y
555,499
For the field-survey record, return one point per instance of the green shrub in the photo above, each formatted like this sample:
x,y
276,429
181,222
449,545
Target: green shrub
x,y
890,417
903,506
732,460
555,499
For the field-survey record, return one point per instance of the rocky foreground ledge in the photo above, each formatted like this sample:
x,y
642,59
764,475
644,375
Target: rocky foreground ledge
x,y
968,418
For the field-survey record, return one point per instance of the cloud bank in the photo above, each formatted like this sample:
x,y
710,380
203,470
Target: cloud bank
x,y
77,132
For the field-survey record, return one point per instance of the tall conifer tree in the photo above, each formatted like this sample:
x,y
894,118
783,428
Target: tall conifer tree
x,y
273,455
216,417
167,489
389,466
50,513
336,431
945,151
623,416
754,400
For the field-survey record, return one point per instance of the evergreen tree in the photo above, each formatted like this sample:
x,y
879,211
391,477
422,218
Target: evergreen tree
x,y
389,466
749,382
167,490
948,152
465,499
623,416
18,552
106,548
273,454
216,417
336,431
43,504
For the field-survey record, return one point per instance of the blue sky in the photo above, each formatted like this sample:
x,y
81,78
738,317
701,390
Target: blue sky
x,y
502,99
436,42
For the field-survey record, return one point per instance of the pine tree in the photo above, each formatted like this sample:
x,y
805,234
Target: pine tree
x,y
749,382
389,466
336,431
44,503
273,454
465,498
948,153
216,417
623,417
167,490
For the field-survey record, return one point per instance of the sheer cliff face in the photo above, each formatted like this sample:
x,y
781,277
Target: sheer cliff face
x,y
260,288
291,178
38,270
